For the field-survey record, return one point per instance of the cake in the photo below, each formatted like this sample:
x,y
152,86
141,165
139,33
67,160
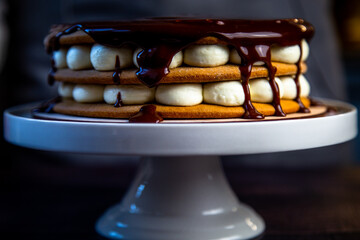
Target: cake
x,y
174,68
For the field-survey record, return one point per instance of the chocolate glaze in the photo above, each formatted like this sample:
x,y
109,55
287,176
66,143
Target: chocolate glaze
x,y
250,110
162,38
118,102
116,74
47,107
147,114
53,43
53,69
297,83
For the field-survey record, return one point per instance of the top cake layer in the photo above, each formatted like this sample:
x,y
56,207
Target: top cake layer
x,y
161,39
206,31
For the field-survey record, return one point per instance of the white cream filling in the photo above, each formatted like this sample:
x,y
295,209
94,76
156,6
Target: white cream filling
x,y
290,87
130,94
176,61
103,58
206,55
88,93
290,54
186,94
229,93
59,58
65,89
78,57
261,91
236,59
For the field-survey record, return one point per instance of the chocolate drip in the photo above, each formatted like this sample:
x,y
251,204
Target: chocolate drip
x,y
47,107
118,102
54,42
275,90
116,74
250,110
151,72
302,109
162,38
53,45
51,75
147,114
249,55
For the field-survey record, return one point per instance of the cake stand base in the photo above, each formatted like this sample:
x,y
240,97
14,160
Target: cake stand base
x,y
180,198
185,194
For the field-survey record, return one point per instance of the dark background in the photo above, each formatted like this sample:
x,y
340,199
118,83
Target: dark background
x,y
47,195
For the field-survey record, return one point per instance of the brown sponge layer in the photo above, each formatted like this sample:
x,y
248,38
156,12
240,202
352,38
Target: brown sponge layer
x,y
201,111
176,75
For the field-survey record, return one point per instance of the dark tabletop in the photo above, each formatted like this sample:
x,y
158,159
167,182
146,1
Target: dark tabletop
x,y
44,196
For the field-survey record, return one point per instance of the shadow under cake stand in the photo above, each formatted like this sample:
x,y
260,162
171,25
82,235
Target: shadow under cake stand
x,y
180,191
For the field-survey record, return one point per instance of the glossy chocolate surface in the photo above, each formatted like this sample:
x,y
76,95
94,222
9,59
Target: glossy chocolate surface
x,y
119,102
47,106
147,114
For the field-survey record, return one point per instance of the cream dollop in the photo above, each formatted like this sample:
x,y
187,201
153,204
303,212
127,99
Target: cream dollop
x,y
186,94
88,93
289,85
130,94
290,54
78,57
260,90
59,57
65,89
229,93
206,55
103,58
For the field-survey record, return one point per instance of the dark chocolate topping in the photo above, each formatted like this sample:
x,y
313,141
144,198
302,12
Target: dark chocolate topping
x,y
116,74
47,106
162,38
297,83
119,102
147,114
53,69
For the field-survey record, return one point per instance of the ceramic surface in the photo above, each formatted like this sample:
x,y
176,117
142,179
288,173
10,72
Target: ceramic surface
x,y
180,198
180,139
183,195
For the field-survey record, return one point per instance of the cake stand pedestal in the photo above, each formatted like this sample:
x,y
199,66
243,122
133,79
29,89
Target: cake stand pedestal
x,y
180,191
180,198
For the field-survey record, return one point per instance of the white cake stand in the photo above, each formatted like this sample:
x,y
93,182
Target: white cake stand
x,y
180,191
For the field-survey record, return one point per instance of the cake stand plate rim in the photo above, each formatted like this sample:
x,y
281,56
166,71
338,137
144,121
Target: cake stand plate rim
x,y
180,139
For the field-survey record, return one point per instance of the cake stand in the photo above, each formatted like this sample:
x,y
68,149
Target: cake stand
x,y
180,191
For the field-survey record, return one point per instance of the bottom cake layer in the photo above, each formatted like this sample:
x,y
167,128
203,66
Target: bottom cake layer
x,y
201,111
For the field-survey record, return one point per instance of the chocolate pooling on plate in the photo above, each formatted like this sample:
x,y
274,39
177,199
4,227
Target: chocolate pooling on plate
x,y
147,114
162,38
